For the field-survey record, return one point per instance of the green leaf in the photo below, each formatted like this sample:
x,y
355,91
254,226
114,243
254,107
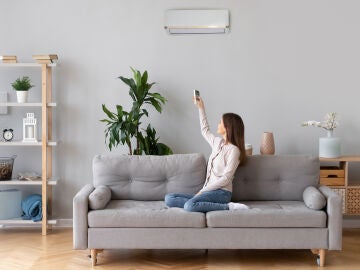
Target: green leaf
x,y
137,76
114,134
145,112
144,78
163,149
105,120
129,82
158,97
156,104
132,95
148,86
147,147
126,81
108,113
119,111
123,136
135,107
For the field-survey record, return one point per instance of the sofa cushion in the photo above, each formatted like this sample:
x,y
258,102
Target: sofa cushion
x,y
268,214
313,198
149,178
275,178
99,198
144,214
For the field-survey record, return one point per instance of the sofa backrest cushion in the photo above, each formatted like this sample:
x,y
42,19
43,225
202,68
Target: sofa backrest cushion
x,y
149,177
275,178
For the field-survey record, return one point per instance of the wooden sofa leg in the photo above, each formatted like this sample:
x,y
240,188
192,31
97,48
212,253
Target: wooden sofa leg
x,y
94,253
322,257
320,260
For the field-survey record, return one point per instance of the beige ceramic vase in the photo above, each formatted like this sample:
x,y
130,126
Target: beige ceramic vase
x,y
267,146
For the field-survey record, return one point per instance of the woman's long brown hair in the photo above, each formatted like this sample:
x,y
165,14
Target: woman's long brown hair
x,y
235,131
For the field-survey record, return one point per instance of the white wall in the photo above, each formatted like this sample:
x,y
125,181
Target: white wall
x,y
282,63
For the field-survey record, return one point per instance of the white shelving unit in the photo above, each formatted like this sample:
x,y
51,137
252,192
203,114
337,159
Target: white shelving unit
x,y
46,143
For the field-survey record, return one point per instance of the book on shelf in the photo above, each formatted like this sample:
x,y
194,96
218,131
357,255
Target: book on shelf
x,y
45,58
44,61
9,61
8,58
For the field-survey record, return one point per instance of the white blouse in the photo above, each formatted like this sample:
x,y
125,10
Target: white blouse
x,y
223,161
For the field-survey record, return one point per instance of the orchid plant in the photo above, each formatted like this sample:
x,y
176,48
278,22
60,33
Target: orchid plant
x,y
329,123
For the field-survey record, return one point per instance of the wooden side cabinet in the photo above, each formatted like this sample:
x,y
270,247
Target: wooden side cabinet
x,y
334,172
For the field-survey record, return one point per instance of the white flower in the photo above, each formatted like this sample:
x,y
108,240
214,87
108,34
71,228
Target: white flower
x,y
329,122
311,123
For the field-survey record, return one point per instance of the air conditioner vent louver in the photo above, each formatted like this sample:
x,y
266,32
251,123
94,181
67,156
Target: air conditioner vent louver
x,y
186,21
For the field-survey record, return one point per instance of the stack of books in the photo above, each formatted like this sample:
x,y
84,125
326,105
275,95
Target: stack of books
x,y
45,58
8,58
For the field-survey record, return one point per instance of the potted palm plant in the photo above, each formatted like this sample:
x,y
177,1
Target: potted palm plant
x,y
123,126
22,86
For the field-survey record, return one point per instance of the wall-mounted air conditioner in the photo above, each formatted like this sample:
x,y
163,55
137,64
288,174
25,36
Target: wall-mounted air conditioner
x,y
196,21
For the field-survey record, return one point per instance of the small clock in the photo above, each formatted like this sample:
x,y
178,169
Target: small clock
x,y
8,135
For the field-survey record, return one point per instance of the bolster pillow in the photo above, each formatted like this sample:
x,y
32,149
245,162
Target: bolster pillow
x,y
99,198
313,198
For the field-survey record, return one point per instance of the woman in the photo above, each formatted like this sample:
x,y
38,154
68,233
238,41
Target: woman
x,y
227,153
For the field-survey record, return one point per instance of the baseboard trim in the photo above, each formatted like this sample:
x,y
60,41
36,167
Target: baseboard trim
x,y
351,223
64,223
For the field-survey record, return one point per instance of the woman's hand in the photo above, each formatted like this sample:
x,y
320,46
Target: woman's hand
x,y
199,102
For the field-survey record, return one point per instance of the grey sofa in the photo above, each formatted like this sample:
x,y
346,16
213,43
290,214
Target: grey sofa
x,y
134,216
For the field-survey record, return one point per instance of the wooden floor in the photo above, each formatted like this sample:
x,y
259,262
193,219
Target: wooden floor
x,y
27,249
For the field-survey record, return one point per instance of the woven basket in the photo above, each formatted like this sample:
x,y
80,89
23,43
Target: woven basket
x,y
353,200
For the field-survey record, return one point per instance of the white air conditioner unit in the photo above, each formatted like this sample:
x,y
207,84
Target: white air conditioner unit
x,y
196,21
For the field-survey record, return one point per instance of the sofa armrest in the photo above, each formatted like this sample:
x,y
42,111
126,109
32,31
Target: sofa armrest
x,y
80,217
335,217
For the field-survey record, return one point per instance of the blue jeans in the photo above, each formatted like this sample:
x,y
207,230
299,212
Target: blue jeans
x,y
205,202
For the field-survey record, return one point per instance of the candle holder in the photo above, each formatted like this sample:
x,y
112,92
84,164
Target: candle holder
x,y
29,128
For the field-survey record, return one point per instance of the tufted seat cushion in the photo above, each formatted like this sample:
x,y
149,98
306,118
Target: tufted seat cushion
x,y
144,214
149,178
269,214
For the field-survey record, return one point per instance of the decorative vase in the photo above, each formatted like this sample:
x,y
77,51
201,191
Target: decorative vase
x,y
267,146
22,96
329,147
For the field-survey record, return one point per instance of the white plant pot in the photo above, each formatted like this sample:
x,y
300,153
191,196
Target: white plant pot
x,y
22,96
